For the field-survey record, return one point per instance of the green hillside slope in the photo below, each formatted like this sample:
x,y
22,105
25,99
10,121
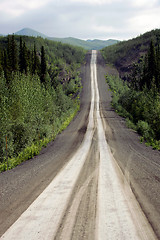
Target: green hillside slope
x,y
124,54
88,44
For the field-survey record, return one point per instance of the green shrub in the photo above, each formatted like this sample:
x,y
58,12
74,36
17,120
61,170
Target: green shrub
x,y
140,108
130,124
144,129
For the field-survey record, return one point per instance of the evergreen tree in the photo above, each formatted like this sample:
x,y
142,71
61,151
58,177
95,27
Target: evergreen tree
x,y
29,60
25,62
43,65
9,52
12,53
35,61
150,75
5,65
21,56
158,67
144,79
151,65
1,59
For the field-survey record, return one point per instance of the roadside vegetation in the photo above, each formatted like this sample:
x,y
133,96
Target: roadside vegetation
x,y
138,98
39,94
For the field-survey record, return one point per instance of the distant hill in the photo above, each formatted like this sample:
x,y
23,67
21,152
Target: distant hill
x,y
87,44
124,54
30,32
102,43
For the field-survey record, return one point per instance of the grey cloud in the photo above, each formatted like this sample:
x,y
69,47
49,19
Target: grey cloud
x,y
77,19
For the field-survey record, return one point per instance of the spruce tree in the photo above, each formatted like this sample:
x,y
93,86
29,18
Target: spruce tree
x,y
24,58
158,67
5,65
21,56
149,77
151,64
35,61
1,60
12,53
43,65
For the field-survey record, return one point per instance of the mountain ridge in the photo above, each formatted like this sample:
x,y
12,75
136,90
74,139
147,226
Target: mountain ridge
x,y
89,44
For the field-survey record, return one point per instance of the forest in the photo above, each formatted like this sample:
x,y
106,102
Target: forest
x,y
39,94
137,96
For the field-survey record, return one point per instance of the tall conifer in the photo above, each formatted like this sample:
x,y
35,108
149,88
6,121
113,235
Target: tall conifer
x,y
36,62
151,64
43,65
12,53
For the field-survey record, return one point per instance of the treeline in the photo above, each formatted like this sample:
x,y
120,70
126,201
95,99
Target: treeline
x,y
39,91
21,59
40,56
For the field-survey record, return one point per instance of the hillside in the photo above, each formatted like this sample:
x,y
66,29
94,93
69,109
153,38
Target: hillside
x,y
138,97
124,54
87,44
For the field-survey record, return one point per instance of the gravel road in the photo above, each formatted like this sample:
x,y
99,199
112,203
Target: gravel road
x,y
81,186
139,164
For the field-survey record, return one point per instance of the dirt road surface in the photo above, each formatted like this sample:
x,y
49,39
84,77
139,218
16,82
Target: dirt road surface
x,y
81,186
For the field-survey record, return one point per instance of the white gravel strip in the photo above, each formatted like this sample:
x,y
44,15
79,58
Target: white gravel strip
x,y
41,220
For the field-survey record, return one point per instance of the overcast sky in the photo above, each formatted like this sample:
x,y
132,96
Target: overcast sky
x,y
85,19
